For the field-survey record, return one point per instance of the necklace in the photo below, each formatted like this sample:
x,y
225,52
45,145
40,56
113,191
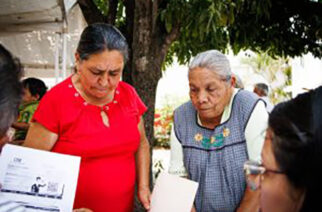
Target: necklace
x,y
105,118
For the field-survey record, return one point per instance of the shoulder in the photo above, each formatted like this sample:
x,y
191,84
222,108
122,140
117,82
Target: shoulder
x,y
246,95
245,99
127,92
126,88
59,90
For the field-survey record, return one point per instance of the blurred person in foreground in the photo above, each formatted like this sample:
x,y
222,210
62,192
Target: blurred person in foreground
x,y
94,115
10,98
288,178
215,133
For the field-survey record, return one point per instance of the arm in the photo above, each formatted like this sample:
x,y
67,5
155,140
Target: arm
x,y
176,156
143,167
176,159
39,137
20,125
255,134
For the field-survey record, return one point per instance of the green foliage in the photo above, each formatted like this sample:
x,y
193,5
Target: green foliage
x,y
276,70
102,5
278,27
203,25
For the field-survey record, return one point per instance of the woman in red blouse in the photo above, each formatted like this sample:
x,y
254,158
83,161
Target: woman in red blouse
x,y
94,115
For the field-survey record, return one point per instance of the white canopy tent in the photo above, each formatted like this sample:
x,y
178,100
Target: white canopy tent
x,y
43,34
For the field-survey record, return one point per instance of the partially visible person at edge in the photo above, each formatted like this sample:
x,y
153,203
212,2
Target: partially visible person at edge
x,y
10,98
94,115
215,133
33,91
289,179
261,89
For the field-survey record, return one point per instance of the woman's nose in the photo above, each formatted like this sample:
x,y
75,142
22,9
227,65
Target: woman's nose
x,y
104,80
202,97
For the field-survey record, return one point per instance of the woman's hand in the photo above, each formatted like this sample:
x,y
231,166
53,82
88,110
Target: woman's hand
x,y
82,210
144,196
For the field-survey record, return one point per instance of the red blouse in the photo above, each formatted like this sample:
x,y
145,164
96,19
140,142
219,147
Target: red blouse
x,y
107,171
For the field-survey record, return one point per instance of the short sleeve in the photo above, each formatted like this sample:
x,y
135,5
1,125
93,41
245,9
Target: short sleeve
x,y
47,113
139,103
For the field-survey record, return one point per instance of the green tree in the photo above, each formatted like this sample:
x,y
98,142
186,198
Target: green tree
x,y
276,71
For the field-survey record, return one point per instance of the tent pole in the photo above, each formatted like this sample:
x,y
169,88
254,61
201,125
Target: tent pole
x,y
57,58
64,56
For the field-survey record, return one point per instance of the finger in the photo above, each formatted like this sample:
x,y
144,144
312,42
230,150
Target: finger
x,y
146,203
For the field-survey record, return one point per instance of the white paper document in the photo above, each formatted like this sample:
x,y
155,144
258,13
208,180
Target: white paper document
x,y
173,194
38,180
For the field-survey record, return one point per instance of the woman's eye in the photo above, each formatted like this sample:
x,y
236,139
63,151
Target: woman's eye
x,y
96,73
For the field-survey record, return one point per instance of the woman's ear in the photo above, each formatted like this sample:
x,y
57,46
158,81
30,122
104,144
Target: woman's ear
x,y
77,57
233,80
77,61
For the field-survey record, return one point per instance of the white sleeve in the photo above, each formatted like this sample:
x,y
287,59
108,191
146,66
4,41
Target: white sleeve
x,y
176,156
255,131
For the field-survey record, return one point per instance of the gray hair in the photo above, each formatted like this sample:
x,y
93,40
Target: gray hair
x,y
213,60
262,87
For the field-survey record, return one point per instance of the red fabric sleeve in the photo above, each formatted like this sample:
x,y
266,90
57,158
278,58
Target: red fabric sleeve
x,y
139,103
47,113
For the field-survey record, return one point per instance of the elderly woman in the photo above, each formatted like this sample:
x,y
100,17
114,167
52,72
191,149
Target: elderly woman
x,y
215,133
87,115
288,178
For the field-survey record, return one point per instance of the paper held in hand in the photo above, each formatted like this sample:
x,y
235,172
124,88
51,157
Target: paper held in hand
x,y
38,180
173,194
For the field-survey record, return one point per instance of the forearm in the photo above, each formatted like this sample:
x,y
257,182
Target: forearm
x,y
143,165
20,125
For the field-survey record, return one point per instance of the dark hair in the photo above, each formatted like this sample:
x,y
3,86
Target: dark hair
x,y
10,89
35,86
297,143
263,88
99,37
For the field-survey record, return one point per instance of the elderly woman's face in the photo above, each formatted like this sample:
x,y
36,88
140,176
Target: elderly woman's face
x,y
100,73
277,194
208,92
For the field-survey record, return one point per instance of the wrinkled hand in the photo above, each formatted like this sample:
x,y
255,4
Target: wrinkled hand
x,y
82,210
144,196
